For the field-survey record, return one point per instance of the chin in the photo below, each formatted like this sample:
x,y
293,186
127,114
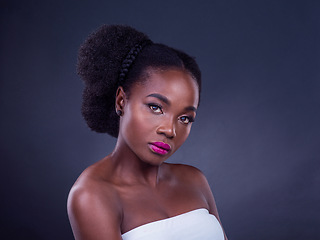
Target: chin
x,y
155,159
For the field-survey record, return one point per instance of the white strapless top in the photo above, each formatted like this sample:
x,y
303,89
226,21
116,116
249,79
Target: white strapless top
x,y
198,224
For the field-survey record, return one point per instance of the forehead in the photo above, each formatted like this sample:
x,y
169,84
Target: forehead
x,y
176,85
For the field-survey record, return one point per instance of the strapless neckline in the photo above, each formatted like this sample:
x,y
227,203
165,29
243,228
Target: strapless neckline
x,y
193,225
166,221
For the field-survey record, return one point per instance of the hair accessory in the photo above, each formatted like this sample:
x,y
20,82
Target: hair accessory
x,y
129,59
119,113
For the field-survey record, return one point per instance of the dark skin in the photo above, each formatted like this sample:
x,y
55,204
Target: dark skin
x,y
133,185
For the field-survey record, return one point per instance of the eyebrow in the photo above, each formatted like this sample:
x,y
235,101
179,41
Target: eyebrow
x,y
166,101
160,97
191,108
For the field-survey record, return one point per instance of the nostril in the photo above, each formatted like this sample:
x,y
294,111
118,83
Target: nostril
x,y
167,127
168,132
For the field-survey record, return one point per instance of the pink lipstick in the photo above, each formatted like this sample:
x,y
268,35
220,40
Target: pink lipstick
x,y
160,147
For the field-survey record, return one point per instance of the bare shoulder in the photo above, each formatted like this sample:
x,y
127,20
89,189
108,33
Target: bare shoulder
x,y
188,173
90,188
93,208
192,176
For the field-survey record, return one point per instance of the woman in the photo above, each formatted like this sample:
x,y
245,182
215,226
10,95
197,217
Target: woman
x,y
146,95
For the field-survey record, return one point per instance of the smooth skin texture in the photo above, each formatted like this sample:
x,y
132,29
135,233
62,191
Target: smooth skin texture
x,y
133,185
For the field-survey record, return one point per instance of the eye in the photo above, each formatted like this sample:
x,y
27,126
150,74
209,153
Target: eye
x,y
186,119
155,108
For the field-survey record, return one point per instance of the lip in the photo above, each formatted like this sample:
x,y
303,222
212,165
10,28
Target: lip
x,y
160,147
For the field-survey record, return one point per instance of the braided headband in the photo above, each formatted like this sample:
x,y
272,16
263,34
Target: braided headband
x,y
129,59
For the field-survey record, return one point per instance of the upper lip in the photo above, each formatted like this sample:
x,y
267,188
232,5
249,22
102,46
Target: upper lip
x,y
162,145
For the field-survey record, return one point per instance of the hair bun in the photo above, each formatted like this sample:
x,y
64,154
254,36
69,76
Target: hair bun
x,y
99,64
100,57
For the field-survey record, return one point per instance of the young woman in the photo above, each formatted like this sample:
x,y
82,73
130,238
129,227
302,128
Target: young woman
x,y
146,95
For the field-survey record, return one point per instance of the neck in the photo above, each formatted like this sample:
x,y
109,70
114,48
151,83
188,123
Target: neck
x,y
128,167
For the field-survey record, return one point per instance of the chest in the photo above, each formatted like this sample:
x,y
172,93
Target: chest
x,y
142,205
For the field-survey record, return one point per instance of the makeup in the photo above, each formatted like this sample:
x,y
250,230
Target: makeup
x,y
160,147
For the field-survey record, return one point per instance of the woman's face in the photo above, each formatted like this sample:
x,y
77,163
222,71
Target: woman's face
x,y
158,115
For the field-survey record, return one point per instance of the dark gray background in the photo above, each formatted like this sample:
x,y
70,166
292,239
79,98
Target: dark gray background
x,y
256,136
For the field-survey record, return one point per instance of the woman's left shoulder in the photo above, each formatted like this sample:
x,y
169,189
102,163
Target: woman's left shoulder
x,y
188,173
193,177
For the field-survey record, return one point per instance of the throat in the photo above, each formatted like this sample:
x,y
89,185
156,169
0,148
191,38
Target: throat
x,y
135,171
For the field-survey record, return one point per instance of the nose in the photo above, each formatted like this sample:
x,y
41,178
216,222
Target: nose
x,y
167,128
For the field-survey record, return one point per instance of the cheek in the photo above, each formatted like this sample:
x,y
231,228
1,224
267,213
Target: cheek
x,y
182,134
136,123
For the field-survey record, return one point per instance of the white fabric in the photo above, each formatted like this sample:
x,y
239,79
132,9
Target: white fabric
x,y
194,225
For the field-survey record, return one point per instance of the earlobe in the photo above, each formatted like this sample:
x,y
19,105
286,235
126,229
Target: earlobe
x,y
120,101
119,113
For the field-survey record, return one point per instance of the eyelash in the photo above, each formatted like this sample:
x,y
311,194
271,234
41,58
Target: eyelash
x,y
191,119
154,107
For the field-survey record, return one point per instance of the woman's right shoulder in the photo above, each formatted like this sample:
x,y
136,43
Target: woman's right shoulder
x,y
93,204
91,186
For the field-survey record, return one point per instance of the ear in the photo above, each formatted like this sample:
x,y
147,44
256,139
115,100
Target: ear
x,y
120,99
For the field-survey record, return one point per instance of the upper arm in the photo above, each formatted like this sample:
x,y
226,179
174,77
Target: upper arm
x,y
93,215
204,185
208,194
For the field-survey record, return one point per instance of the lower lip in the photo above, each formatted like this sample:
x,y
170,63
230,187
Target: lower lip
x,y
158,150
